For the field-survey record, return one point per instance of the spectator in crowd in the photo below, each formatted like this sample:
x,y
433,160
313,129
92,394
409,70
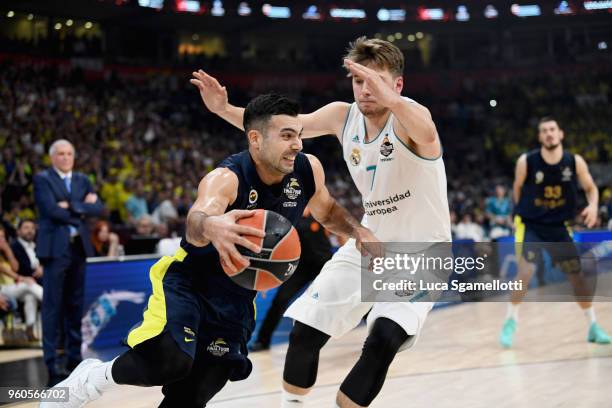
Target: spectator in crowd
x,y
105,242
468,229
145,227
22,288
166,211
146,238
64,199
7,304
24,248
136,205
498,210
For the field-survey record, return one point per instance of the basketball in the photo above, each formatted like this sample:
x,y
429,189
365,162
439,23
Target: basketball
x,y
279,256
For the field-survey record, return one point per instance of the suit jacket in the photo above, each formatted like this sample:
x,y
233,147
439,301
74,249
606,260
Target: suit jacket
x,y
25,266
53,238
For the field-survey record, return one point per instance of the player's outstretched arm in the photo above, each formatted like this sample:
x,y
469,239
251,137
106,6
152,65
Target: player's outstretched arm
x,y
328,120
208,223
590,190
215,99
337,219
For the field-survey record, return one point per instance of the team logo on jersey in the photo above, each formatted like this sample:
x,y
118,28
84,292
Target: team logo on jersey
x,y
292,189
386,148
218,348
253,196
539,177
567,174
355,157
356,139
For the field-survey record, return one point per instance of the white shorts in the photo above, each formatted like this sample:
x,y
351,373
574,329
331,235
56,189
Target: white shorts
x,y
332,303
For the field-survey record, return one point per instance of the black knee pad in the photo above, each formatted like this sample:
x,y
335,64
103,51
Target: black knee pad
x,y
368,376
302,360
384,340
305,337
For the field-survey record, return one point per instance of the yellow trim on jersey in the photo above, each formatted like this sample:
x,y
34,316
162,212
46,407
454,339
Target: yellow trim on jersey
x,y
154,317
519,236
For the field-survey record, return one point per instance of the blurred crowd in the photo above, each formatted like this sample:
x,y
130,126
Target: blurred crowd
x,y
145,143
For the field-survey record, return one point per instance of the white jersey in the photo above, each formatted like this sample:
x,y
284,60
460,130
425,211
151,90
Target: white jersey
x,y
404,195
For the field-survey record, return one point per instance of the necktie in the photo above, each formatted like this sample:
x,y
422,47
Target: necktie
x,y
73,231
67,183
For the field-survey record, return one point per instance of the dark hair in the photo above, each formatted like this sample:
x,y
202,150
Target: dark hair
x,y
23,221
549,119
261,108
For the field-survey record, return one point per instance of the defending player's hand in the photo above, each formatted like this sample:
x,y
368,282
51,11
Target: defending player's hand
x,y
213,94
224,233
378,88
368,244
590,216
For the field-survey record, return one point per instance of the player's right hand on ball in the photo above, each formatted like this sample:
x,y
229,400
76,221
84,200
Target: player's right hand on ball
x,y
224,233
212,93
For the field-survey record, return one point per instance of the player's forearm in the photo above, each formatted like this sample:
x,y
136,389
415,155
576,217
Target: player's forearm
x,y
592,195
416,121
516,193
233,114
340,222
195,231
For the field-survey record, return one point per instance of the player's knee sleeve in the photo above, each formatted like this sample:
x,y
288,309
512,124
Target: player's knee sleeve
x,y
366,378
157,361
302,360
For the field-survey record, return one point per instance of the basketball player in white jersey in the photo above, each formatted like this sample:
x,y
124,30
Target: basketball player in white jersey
x,y
393,152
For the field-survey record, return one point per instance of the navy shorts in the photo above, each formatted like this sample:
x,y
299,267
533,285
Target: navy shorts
x,y
219,322
532,240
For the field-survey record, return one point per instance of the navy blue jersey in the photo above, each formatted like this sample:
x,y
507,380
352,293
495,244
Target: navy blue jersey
x,y
288,198
550,192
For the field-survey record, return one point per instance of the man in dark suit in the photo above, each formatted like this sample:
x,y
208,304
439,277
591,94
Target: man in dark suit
x,y
64,199
24,249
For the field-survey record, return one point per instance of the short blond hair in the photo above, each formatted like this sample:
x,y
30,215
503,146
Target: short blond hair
x,y
380,53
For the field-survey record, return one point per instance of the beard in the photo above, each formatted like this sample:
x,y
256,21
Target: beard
x,y
551,146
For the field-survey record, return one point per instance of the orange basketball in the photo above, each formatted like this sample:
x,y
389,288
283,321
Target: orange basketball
x,y
279,256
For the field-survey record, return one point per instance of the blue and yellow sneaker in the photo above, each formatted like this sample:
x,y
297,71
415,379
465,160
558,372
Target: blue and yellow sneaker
x,y
507,333
598,335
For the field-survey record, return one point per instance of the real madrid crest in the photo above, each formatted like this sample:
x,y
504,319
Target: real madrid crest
x,y
355,157
386,148
539,177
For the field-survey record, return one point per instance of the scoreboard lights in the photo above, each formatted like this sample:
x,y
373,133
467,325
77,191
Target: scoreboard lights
x,y
347,13
431,14
391,14
530,10
189,6
317,12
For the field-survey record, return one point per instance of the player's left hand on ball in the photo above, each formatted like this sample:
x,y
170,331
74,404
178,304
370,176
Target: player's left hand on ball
x,y
590,216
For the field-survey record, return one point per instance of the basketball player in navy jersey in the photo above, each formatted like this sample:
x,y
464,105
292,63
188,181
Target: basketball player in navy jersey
x,y
545,191
194,332
394,155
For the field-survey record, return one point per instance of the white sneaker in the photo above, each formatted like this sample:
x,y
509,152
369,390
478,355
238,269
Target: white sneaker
x,y
80,391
